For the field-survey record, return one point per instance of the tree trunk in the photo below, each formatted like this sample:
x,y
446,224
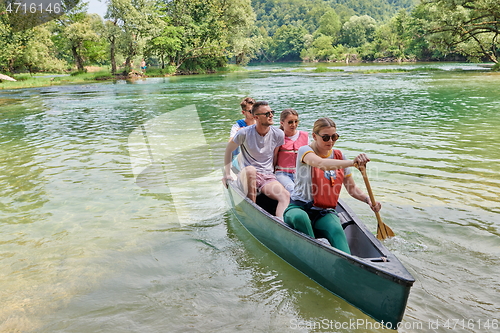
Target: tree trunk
x,y
78,58
130,56
128,64
239,58
112,54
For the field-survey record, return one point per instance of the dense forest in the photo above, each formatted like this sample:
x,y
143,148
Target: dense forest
x,y
203,35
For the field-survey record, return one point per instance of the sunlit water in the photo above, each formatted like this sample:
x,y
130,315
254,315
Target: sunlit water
x,y
84,248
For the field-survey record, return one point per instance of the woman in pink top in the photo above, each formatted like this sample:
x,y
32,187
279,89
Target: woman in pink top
x,y
287,154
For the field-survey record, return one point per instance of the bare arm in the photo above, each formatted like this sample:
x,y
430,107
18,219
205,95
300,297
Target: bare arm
x,y
333,164
275,158
357,193
231,146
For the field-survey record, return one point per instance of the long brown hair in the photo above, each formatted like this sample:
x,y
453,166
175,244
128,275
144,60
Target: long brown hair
x,y
285,113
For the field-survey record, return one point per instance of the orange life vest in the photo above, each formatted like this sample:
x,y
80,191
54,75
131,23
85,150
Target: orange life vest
x,y
326,185
287,154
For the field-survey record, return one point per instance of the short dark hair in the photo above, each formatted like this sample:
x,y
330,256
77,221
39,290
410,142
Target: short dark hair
x,y
257,105
247,101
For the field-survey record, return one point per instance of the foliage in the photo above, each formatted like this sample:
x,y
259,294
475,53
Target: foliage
x,y
131,24
467,27
244,40
167,70
358,30
380,10
38,54
273,14
330,25
30,50
200,36
287,43
166,45
321,49
395,39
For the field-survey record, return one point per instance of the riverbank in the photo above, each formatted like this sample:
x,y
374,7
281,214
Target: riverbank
x,y
97,74
94,74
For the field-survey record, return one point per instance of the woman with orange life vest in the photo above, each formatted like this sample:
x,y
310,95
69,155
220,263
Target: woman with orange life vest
x,y
321,171
287,154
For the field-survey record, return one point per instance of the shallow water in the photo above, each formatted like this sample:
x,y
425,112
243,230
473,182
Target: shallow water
x,y
85,246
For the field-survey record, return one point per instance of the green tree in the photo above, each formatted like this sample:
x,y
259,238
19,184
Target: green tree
x,y
96,50
11,43
111,31
203,33
324,47
321,49
166,45
329,24
74,33
272,14
132,24
244,40
30,49
287,43
78,35
395,38
358,30
468,27
38,55
344,12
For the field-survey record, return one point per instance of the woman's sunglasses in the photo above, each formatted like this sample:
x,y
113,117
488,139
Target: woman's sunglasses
x,y
326,137
291,122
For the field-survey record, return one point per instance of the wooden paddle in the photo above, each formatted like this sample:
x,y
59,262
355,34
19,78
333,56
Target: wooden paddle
x,y
383,230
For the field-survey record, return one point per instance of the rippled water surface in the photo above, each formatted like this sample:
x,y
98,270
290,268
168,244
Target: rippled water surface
x,y
86,247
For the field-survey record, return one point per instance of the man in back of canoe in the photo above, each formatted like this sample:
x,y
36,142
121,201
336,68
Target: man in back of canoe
x,y
259,147
246,109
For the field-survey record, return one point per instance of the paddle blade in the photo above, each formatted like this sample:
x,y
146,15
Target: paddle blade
x,y
384,231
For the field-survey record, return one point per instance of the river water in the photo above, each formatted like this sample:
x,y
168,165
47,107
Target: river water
x,y
95,238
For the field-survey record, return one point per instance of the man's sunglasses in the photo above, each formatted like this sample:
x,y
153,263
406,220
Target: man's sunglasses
x,y
326,137
267,114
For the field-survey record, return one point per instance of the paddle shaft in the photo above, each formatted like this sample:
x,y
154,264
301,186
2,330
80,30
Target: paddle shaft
x,y
383,231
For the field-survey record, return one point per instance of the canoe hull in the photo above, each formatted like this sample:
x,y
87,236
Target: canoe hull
x,y
380,289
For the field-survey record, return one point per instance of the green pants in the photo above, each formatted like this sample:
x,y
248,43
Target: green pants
x,y
317,223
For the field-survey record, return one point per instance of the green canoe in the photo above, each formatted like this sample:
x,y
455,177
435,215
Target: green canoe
x,y
371,278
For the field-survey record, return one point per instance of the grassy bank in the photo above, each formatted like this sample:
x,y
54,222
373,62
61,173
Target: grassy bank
x,y
32,81
98,75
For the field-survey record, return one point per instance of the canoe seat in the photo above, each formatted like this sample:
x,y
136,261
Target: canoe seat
x,y
345,220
